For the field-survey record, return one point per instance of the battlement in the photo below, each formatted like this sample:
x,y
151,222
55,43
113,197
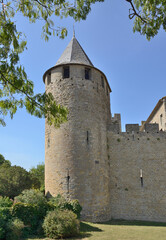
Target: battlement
x,y
137,136
152,128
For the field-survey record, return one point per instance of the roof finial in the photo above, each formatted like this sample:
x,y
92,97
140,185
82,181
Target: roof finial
x,y
73,31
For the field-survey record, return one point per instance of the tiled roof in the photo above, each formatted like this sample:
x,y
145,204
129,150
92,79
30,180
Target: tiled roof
x,y
74,53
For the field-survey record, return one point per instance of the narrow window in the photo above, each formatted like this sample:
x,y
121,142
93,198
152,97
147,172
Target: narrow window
x,y
87,73
49,78
161,118
87,137
66,72
68,180
48,143
102,81
141,178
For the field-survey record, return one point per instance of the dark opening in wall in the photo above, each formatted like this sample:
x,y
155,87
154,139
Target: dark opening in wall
x,y
107,91
102,81
49,78
66,72
142,183
68,180
87,73
87,137
141,178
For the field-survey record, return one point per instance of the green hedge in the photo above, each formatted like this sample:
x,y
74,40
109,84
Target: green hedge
x,y
61,224
5,202
5,216
59,202
30,214
14,229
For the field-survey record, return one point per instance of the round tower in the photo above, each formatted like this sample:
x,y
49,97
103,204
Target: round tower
x,y
76,158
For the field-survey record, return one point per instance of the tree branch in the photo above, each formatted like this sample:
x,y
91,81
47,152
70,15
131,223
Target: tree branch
x,y
21,91
41,4
134,13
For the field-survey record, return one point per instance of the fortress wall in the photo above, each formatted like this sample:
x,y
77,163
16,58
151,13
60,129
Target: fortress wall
x,y
76,153
128,154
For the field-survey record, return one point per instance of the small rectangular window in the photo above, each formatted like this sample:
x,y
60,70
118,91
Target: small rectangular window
x,y
161,118
49,78
66,72
87,73
102,81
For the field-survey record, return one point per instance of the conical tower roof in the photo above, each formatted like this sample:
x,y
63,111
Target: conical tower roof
x,y
74,53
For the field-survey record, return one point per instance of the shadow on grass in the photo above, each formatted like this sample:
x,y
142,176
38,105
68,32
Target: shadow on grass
x,y
135,223
85,230
85,227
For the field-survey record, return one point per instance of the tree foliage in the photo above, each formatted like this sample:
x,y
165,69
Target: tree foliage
x,y
16,90
149,16
38,173
4,161
13,180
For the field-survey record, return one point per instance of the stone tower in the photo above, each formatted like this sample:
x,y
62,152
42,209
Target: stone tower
x,y
76,154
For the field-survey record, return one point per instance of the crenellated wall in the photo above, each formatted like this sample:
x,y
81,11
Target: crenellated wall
x,y
113,174
138,175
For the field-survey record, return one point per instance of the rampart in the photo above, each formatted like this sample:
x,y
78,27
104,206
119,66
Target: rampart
x,y
137,174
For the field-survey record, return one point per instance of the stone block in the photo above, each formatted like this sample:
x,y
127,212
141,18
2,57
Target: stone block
x,y
132,128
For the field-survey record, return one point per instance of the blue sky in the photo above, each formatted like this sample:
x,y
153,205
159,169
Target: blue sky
x,y
135,68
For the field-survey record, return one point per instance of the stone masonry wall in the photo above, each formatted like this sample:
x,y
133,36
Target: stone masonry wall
x,y
132,156
76,153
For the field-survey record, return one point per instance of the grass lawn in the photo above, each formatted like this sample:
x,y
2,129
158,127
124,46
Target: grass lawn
x,y
120,230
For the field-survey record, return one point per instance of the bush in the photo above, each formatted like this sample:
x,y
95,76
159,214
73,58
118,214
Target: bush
x,y
5,202
31,196
26,213
76,207
60,224
59,202
4,218
30,214
14,229
31,207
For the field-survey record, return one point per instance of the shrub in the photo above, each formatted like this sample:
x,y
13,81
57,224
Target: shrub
x,y
60,224
31,207
59,202
76,207
31,196
26,213
14,229
4,218
5,202
30,214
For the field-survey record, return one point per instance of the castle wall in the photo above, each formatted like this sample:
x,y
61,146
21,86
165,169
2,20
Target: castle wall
x,y
132,156
76,153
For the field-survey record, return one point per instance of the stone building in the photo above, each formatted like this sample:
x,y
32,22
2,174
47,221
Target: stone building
x,y
158,115
113,174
